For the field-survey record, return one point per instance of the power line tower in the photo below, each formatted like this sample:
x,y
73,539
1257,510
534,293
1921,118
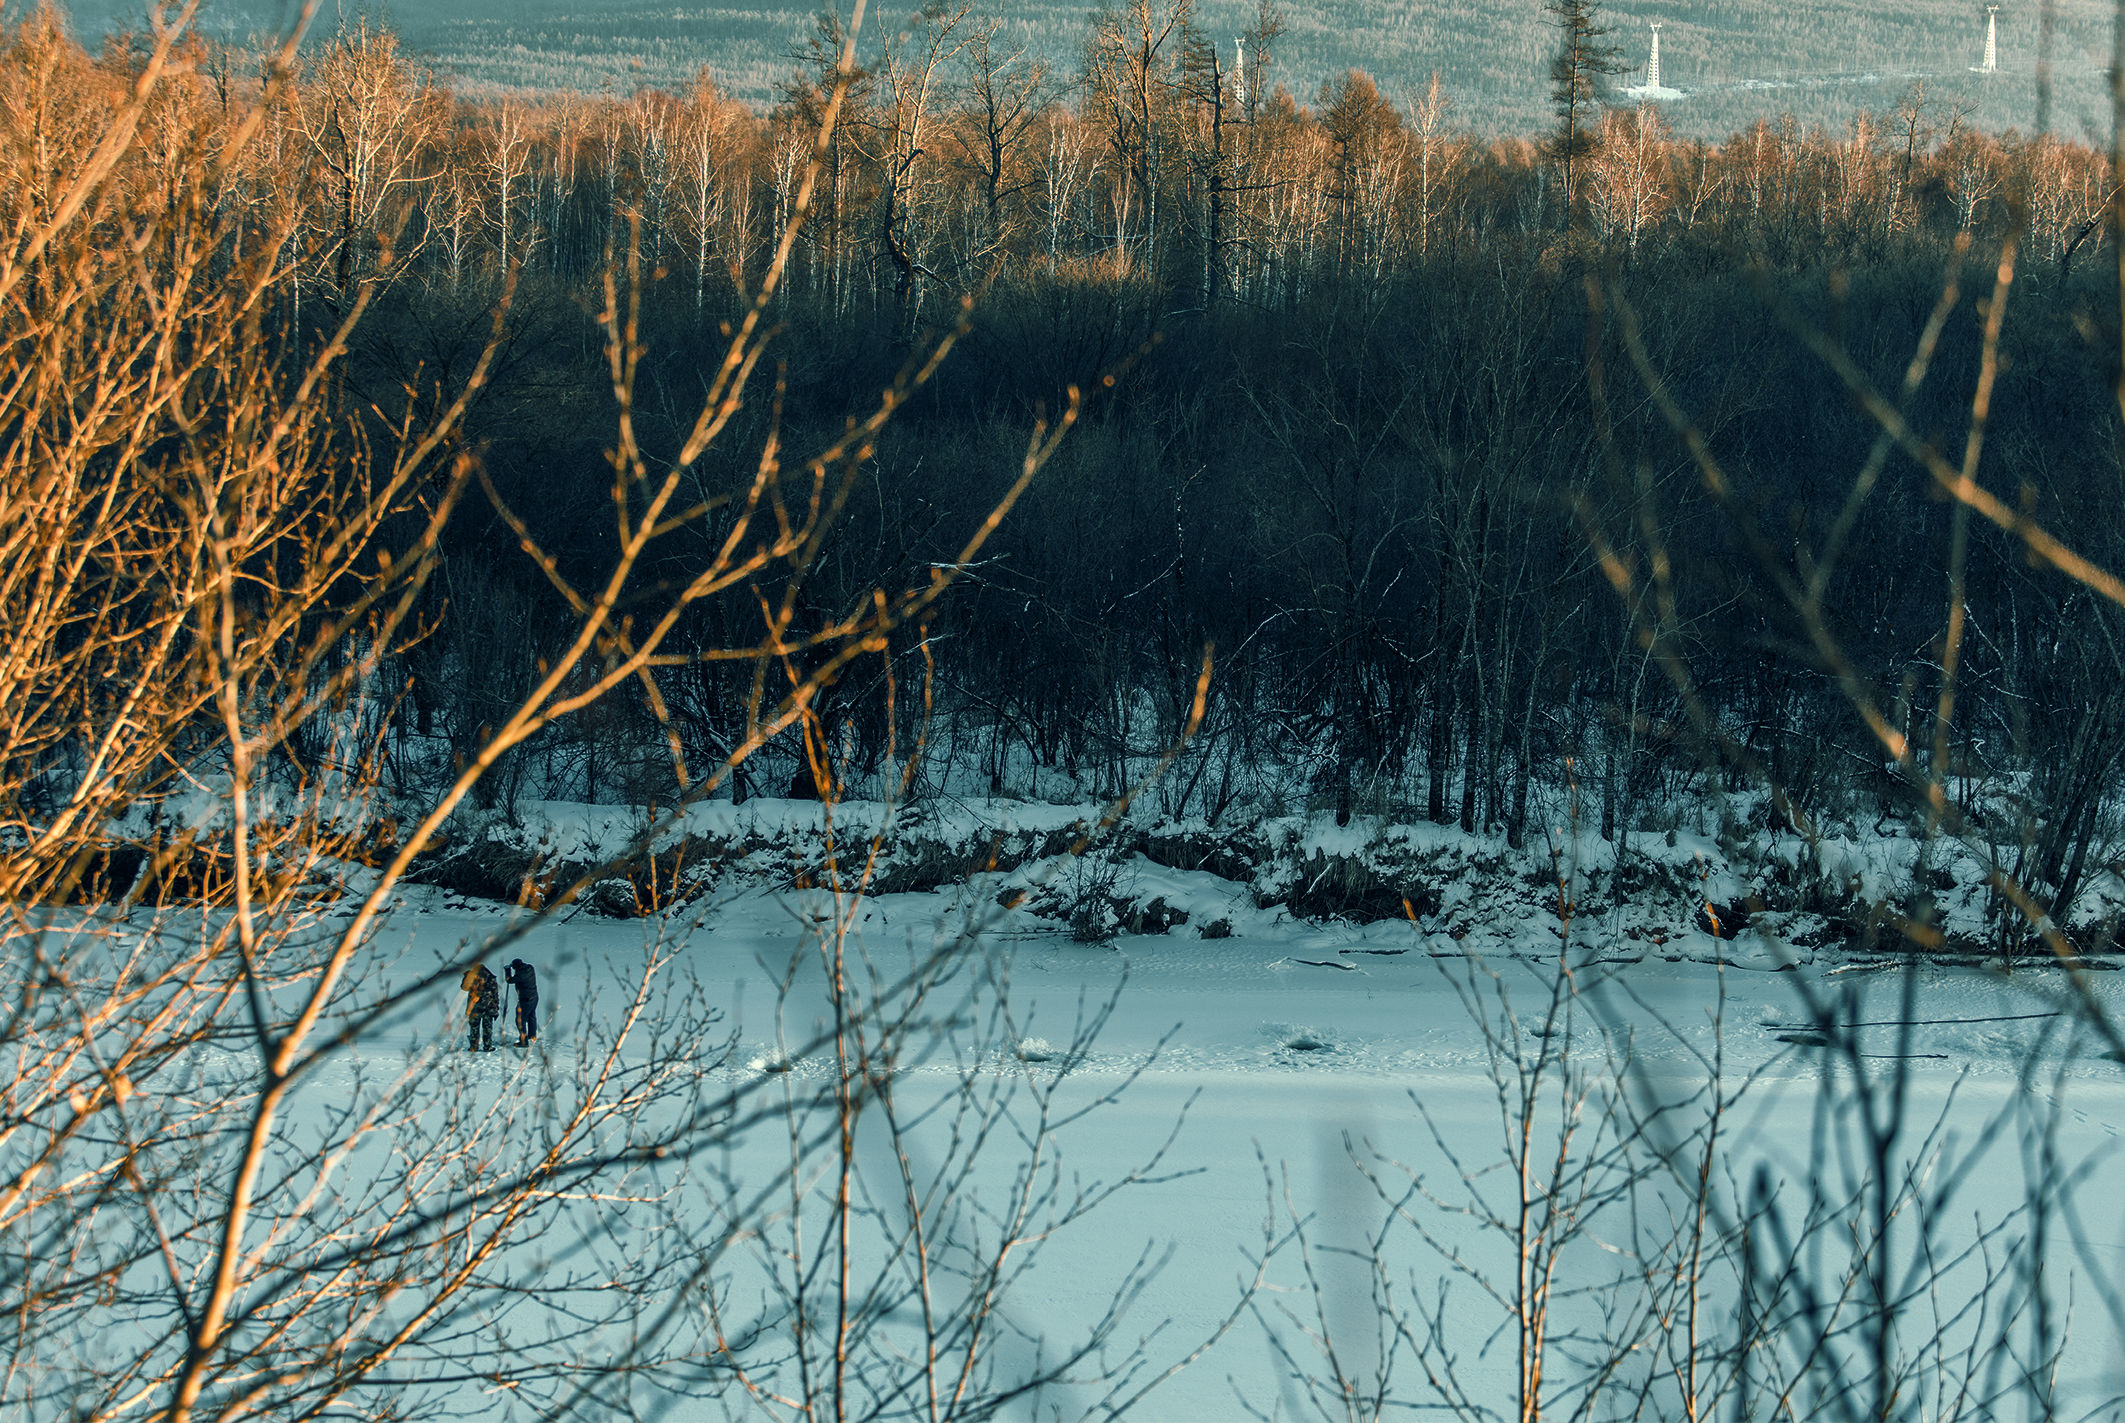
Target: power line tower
x,y
1992,43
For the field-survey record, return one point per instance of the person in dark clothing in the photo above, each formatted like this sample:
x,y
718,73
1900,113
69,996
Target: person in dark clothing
x,y
483,1004
525,980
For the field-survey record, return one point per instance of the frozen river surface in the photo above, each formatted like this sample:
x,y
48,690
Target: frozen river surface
x,y
1288,1092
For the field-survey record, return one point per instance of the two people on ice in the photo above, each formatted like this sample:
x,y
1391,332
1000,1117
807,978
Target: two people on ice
x,y
483,1003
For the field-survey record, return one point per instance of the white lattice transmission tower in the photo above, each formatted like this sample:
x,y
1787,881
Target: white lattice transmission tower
x,y
1652,65
1992,43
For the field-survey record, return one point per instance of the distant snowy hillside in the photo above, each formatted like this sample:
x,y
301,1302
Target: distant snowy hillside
x,y
1737,59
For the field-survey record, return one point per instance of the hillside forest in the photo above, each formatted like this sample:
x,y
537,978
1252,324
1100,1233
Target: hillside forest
x,y
1736,60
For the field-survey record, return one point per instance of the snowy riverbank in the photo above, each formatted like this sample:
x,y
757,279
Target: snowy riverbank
x,y
1739,894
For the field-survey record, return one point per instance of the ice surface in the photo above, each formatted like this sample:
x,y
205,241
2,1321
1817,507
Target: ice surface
x,y
1289,1053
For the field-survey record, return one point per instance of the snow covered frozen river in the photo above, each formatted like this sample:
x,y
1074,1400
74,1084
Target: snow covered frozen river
x,y
1300,1074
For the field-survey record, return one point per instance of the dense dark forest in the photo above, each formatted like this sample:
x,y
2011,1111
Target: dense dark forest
x,y
1361,413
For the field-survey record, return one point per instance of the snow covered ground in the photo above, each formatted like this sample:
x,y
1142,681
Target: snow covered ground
x,y
1295,1112
1650,894
1282,1059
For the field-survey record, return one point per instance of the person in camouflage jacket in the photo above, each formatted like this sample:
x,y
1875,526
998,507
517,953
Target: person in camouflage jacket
x,y
483,1004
